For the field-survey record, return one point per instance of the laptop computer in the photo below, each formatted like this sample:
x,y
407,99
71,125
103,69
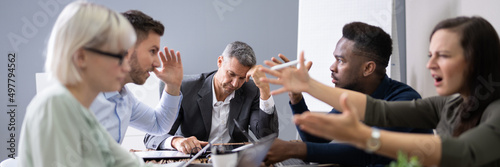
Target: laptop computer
x,y
253,155
288,162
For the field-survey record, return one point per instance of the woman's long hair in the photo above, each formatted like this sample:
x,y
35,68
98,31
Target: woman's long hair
x,y
481,46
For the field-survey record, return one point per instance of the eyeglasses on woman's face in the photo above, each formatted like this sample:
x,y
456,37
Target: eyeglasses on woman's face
x,y
120,56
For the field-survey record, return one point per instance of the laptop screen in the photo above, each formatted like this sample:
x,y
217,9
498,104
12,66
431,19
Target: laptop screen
x,y
254,155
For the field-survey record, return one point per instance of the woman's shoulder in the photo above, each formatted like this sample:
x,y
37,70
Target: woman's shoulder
x,y
54,92
494,105
492,110
52,99
53,108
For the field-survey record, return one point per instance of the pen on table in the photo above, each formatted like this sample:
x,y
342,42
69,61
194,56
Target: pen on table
x,y
287,64
201,152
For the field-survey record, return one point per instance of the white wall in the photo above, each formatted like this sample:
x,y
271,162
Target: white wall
x,y
488,9
421,17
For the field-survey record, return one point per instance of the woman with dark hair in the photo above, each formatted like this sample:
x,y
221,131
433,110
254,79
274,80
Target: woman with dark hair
x,y
463,53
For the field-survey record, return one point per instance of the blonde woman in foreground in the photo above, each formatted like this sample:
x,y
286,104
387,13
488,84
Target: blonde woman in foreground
x,y
86,53
464,54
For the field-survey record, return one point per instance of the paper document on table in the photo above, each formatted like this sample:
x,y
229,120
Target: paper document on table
x,y
161,154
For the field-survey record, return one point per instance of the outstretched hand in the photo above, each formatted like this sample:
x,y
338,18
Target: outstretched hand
x,y
291,78
341,127
171,72
295,97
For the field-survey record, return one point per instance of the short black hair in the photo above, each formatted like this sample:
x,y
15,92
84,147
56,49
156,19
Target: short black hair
x,y
371,42
143,23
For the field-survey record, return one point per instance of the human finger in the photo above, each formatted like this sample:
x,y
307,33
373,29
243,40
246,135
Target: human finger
x,y
162,55
178,54
278,91
309,65
197,145
344,104
283,57
156,71
270,72
247,78
270,63
269,80
275,60
171,56
192,143
203,143
312,123
301,60
249,74
182,148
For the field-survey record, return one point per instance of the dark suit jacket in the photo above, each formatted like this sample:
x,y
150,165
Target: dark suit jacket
x,y
195,114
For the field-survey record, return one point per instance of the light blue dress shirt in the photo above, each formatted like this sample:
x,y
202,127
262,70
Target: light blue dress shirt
x,y
117,110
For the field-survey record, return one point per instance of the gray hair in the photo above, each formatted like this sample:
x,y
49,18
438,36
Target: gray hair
x,y
242,52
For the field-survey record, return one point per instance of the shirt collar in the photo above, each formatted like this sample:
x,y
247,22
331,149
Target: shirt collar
x,y
214,98
116,94
380,91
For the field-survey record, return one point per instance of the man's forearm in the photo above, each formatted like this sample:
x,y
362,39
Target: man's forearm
x,y
299,150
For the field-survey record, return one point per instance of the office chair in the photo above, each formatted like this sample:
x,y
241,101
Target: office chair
x,y
9,162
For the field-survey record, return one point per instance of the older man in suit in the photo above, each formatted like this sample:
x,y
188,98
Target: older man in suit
x,y
212,100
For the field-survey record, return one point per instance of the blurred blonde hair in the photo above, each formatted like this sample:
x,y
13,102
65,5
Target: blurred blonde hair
x,y
83,24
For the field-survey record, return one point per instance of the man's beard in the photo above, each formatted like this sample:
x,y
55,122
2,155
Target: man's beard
x,y
135,70
354,85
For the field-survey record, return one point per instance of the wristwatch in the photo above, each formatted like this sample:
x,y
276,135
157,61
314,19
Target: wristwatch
x,y
373,144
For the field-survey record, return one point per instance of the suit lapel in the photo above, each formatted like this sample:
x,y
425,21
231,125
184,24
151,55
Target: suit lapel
x,y
205,102
234,109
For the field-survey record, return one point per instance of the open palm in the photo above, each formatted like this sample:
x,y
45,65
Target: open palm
x,y
172,71
291,78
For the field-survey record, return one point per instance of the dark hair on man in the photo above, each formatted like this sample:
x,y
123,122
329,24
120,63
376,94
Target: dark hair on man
x,y
242,52
143,24
481,46
371,42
